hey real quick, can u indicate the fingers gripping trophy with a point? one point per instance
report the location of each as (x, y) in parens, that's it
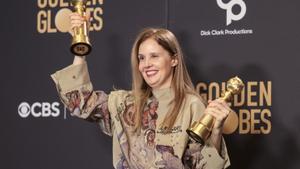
(200, 131)
(81, 45)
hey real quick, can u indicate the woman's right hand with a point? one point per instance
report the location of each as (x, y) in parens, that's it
(77, 20)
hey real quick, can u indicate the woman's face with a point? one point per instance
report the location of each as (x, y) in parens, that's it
(155, 64)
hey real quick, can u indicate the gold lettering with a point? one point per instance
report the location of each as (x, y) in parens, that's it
(42, 21)
(254, 94)
(49, 28)
(264, 114)
(254, 121)
(63, 4)
(244, 121)
(251, 93)
(223, 86)
(53, 3)
(97, 13)
(216, 90)
(203, 93)
(265, 94)
(42, 3)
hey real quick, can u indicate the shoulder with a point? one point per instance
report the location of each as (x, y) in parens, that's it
(195, 104)
(118, 98)
(120, 92)
(120, 95)
(191, 98)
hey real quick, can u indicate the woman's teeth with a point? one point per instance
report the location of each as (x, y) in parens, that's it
(150, 72)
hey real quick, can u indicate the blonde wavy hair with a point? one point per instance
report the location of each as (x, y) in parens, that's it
(181, 81)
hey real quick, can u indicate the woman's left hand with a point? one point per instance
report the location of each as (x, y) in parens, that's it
(220, 110)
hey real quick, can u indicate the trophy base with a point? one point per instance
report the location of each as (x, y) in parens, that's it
(194, 136)
(200, 132)
(81, 49)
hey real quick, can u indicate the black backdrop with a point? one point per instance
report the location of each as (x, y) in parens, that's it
(262, 47)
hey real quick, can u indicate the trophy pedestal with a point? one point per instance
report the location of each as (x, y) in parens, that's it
(81, 45)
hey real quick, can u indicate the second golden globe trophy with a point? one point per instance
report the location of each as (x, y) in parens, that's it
(81, 45)
(201, 130)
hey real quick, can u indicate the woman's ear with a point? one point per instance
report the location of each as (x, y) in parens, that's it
(174, 62)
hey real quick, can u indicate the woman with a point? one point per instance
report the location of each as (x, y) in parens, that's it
(148, 124)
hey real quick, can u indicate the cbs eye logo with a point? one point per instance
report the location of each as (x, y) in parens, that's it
(24, 109)
(228, 7)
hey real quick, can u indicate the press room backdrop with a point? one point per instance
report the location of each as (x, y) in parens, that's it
(256, 40)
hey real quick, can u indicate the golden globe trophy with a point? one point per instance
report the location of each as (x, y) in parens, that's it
(80, 44)
(201, 130)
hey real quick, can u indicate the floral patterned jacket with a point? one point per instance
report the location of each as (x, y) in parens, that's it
(152, 147)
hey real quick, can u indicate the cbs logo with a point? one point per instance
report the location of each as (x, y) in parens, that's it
(228, 7)
(39, 109)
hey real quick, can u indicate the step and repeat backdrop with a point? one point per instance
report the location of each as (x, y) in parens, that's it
(257, 40)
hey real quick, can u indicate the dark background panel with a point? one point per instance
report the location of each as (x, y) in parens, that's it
(271, 53)
(29, 59)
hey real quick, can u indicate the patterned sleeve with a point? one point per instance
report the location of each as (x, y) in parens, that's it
(76, 92)
(198, 156)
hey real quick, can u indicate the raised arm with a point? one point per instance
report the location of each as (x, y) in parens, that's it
(76, 91)
(78, 60)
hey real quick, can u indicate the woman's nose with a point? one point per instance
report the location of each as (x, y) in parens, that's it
(148, 62)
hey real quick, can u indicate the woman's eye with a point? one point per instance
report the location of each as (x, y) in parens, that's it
(154, 56)
(140, 57)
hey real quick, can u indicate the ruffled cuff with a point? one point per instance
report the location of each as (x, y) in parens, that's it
(71, 77)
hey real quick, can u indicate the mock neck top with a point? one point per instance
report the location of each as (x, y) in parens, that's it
(166, 93)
